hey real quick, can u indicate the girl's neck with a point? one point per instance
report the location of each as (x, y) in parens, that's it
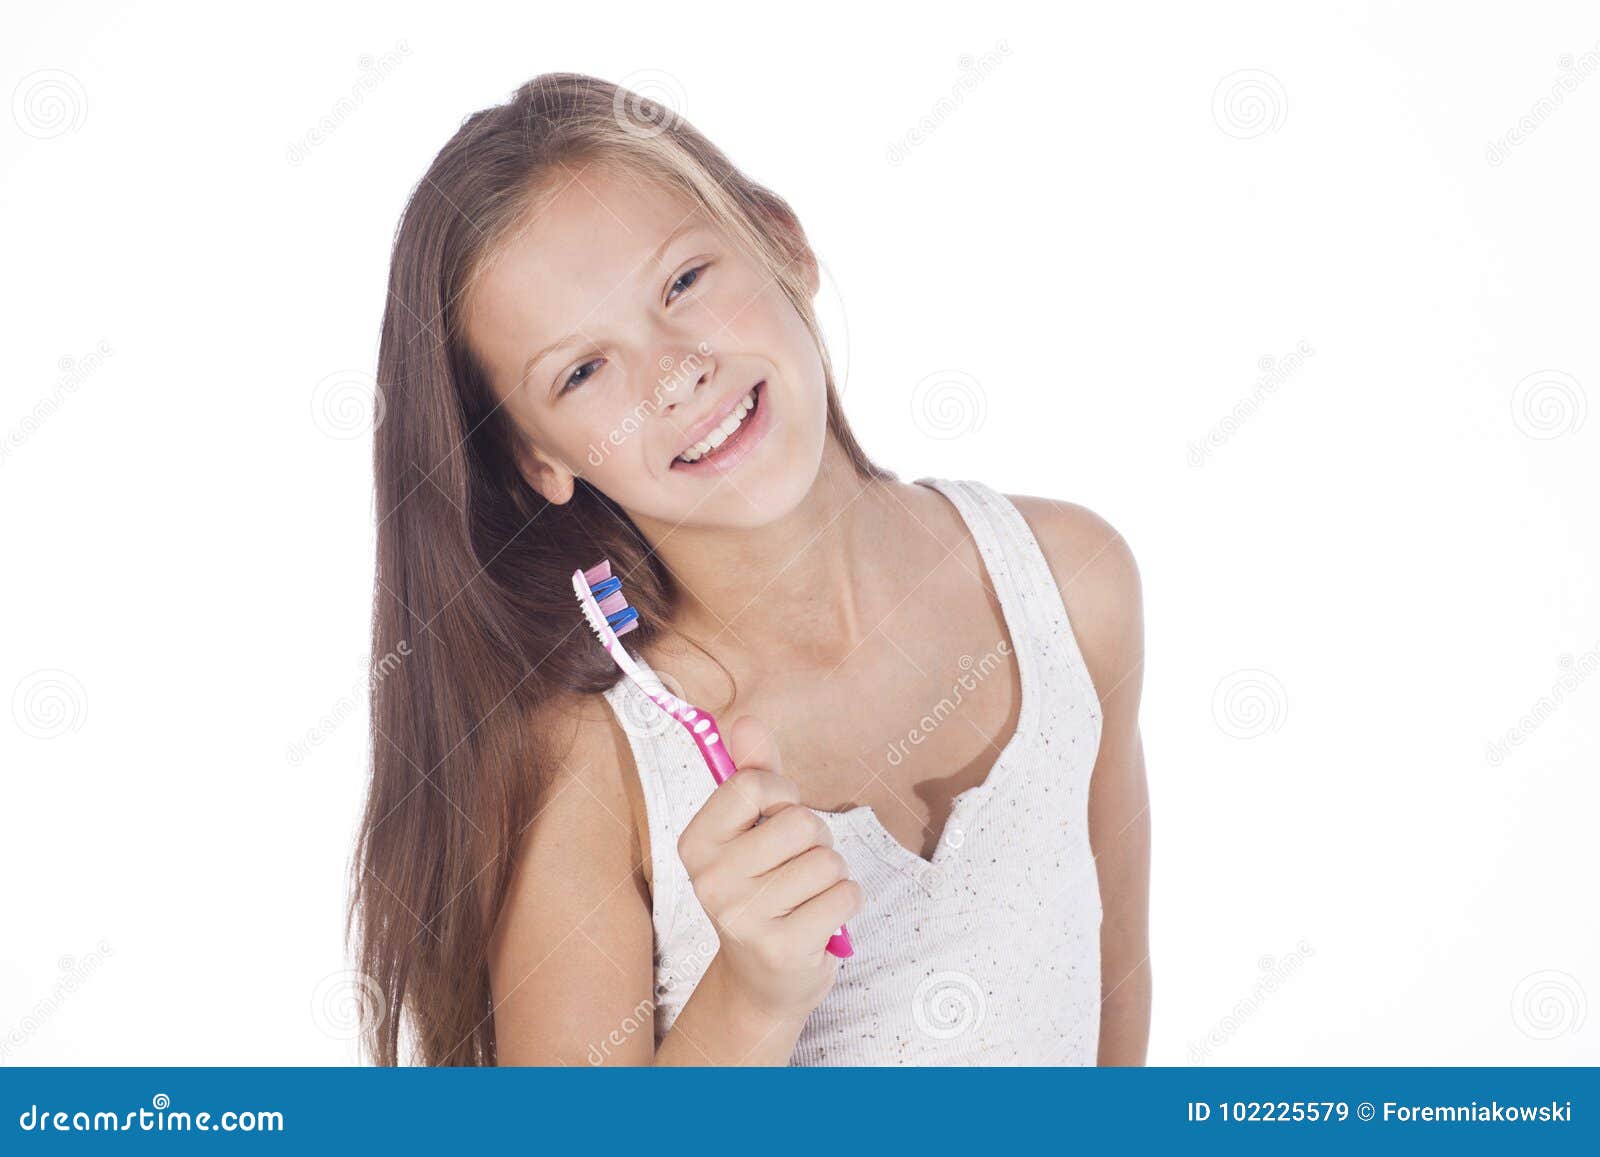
(807, 588)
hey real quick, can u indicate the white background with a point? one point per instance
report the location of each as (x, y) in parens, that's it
(1361, 585)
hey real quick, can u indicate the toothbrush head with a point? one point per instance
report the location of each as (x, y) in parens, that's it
(609, 615)
(604, 605)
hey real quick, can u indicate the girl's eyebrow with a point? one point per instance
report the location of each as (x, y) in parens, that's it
(534, 359)
(575, 338)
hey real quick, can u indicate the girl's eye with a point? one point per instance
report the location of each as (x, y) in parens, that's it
(686, 280)
(690, 275)
(576, 379)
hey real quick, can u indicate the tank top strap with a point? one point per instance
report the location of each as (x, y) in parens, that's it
(675, 783)
(1029, 597)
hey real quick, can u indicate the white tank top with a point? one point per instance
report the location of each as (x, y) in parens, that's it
(988, 954)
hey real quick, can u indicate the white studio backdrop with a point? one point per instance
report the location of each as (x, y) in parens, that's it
(1302, 302)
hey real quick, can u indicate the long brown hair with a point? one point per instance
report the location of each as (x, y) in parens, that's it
(473, 565)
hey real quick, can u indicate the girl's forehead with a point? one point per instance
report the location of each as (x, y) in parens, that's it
(592, 233)
(577, 255)
(594, 212)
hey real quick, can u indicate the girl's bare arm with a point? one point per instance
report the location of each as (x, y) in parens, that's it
(571, 962)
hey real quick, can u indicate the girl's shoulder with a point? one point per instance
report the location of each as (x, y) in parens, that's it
(589, 786)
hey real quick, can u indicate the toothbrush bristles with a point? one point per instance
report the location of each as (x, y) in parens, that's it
(607, 591)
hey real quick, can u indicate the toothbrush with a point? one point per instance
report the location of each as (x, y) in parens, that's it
(604, 605)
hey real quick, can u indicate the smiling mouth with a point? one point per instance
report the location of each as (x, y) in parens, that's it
(728, 435)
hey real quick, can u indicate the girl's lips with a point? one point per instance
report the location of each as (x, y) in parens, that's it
(740, 444)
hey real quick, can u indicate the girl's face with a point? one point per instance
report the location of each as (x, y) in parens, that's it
(619, 329)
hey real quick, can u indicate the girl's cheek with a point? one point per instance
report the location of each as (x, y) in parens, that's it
(598, 443)
(615, 461)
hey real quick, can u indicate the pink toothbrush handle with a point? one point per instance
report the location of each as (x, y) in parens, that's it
(709, 740)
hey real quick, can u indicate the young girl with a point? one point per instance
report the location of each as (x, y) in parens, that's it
(600, 343)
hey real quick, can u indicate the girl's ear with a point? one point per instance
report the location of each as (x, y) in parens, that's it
(544, 473)
(809, 263)
(801, 248)
(793, 236)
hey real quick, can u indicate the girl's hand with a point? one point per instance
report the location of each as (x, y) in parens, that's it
(764, 868)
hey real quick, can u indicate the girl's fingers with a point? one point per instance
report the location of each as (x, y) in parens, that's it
(791, 831)
(733, 809)
(819, 918)
(809, 874)
(751, 744)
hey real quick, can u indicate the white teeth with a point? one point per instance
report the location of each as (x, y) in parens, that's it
(721, 434)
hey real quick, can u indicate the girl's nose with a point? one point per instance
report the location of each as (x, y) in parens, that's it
(681, 379)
